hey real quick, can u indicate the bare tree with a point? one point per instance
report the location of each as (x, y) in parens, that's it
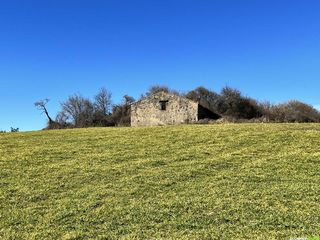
(103, 102)
(41, 105)
(79, 110)
(62, 120)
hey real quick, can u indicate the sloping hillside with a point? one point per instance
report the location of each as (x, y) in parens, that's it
(237, 181)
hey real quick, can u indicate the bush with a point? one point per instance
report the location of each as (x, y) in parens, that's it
(206, 98)
(294, 111)
(158, 88)
(14, 129)
(233, 104)
(121, 114)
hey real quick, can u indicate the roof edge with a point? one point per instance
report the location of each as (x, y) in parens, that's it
(173, 94)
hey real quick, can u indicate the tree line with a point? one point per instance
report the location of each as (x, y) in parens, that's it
(78, 111)
(233, 106)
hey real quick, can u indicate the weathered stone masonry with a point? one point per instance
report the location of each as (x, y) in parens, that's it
(166, 109)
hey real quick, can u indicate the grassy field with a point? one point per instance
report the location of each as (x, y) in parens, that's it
(236, 181)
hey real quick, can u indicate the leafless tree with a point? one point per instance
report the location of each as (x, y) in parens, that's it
(103, 102)
(41, 105)
(79, 110)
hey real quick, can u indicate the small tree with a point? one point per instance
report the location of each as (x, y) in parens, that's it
(102, 109)
(41, 105)
(103, 102)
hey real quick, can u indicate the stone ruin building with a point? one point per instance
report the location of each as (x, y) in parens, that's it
(164, 108)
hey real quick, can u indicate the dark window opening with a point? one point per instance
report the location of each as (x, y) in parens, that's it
(163, 105)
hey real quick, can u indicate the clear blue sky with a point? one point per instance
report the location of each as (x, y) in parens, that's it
(269, 49)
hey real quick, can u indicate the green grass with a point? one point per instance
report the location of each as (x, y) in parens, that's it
(235, 181)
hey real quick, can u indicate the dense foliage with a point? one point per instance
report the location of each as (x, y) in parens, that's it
(232, 105)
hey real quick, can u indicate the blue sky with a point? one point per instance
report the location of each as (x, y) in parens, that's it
(270, 50)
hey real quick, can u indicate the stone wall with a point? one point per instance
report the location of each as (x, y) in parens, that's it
(178, 110)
